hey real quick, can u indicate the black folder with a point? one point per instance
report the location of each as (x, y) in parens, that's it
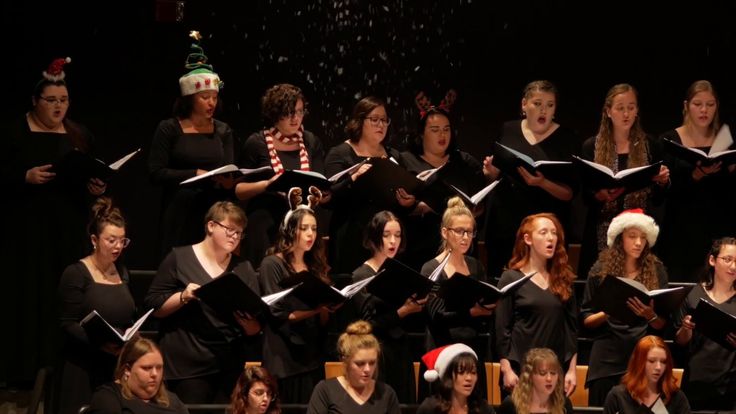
(612, 294)
(693, 155)
(228, 293)
(81, 165)
(301, 179)
(398, 282)
(100, 332)
(312, 290)
(714, 323)
(461, 292)
(596, 176)
(240, 174)
(453, 178)
(508, 160)
(382, 180)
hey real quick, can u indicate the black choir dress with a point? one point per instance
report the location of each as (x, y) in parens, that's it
(619, 401)
(84, 365)
(507, 407)
(514, 200)
(329, 397)
(613, 343)
(423, 231)
(599, 214)
(533, 317)
(396, 366)
(350, 211)
(196, 341)
(710, 375)
(109, 399)
(431, 405)
(445, 327)
(696, 211)
(294, 352)
(176, 156)
(266, 211)
(44, 230)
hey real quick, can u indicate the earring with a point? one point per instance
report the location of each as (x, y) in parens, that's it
(94, 246)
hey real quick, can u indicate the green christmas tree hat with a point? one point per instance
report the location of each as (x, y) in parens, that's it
(200, 76)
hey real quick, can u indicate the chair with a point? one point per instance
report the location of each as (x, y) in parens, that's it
(334, 369)
(579, 398)
(573, 256)
(493, 390)
(677, 373)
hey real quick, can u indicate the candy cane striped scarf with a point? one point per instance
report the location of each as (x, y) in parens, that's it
(272, 133)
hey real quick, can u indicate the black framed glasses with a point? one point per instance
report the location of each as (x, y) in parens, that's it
(231, 232)
(378, 121)
(463, 232)
(299, 113)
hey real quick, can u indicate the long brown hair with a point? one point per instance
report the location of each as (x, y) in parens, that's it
(635, 380)
(250, 376)
(461, 364)
(315, 258)
(560, 272)
(694, 89)
(613, 261)
(354, 127)
(605, 147)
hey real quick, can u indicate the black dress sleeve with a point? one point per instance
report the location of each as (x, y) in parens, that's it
(72, 285)
(159, 167)
(164, 284)
(505, 316)
(105, 401)
(319, 402)
(507, 406)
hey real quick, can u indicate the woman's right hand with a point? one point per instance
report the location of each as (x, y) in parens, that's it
(489, 170)
(362, 170)
(510, 379)
(40, 174)
(608, 194)
(701, 171)
(411, 305)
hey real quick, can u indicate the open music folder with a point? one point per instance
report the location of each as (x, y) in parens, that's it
(99, 331)
(612, 294)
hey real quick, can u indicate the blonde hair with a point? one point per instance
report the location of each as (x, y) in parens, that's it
(132, 351)
(455, 207)
(522, 394)
(357, 336)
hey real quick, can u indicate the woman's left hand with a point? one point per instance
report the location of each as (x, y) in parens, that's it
(405, 199)
(663, 178)
(529, 179)
(250, 325)
(640, 309)
(571, 382)
(96, 187)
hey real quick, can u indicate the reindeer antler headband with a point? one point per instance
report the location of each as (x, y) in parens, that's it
(425, 105)
(295, 201)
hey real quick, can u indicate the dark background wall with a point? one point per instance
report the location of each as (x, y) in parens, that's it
(127, 57)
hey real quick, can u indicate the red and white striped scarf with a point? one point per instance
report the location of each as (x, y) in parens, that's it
(272, 133)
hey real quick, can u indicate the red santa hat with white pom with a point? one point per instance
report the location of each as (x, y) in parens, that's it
(55, 71)
(633, 218)
(438, 359)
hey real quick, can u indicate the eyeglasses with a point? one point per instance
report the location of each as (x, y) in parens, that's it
(52, 100)
(299, 113)
(259, 393)
(124, 242)
(727, 260)
(376, 121)
(462, 232)
(230, 232)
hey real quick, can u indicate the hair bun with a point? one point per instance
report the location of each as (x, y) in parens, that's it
(455, 202)
(359, 328)
(102, 207)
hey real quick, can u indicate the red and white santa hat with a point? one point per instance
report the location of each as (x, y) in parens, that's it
(55, 71)
(438, 359)
(633, 218)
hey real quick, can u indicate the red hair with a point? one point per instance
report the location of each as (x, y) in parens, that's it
(560, 272)
(635, 379)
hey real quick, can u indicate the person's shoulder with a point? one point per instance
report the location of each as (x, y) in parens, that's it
(507, 406)
(243, 266)
(428, 405)
(176, 404)
(671, 135)
(105, 399)
(429, 266)
(510, 275)
(222, 127)
(340, 150)
(270, 262)
(168, 124)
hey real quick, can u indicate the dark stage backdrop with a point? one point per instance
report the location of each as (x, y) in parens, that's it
(127, 59)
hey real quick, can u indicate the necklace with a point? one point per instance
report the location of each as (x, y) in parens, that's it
(104, 274)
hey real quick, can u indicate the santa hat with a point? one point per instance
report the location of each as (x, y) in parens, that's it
(437, 360)
(200, 76)
(633, 218)
(55, 71)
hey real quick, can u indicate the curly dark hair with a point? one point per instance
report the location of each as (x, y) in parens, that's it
(613, 261)
(279, 101)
